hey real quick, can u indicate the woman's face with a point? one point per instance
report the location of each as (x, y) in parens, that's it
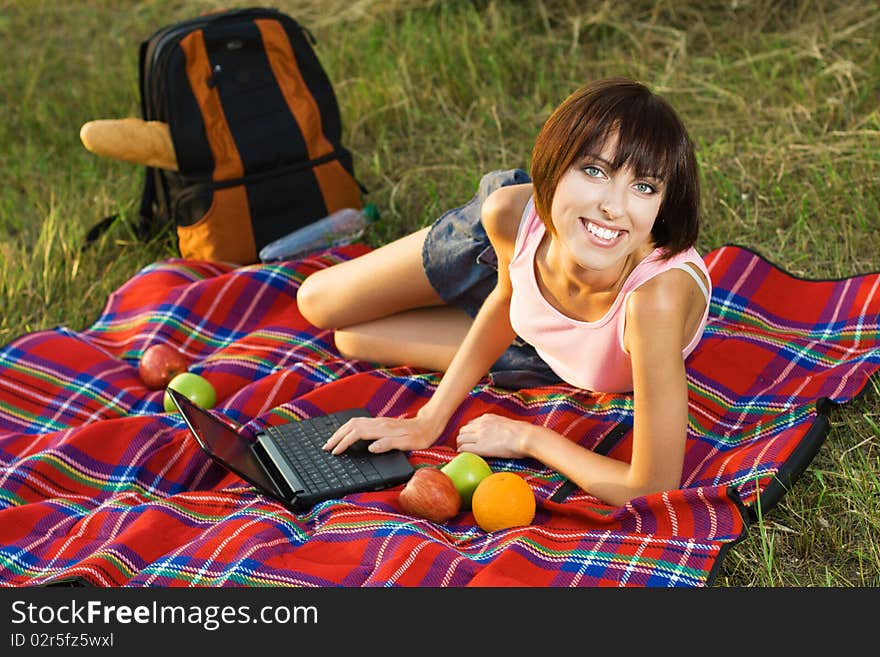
(600, 215)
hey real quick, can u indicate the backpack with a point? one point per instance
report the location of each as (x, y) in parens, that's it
(256, 131)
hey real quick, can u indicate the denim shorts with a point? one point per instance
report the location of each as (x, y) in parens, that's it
(462, 267)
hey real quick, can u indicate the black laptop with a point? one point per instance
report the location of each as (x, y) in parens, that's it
(286, 461)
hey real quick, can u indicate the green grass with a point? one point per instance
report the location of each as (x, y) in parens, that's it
(781, 97)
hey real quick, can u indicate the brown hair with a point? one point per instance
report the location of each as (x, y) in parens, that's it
(651, 139)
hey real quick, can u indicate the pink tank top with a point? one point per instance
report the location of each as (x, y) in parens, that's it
(587, 355)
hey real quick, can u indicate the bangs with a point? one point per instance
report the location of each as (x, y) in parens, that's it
(648, 138)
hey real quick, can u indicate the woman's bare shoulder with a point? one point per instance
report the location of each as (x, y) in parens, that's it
(501, 214)
(657, 312)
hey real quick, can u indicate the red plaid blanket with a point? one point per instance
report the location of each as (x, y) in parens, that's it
(98, 482)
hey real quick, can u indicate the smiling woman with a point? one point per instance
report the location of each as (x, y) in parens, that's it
(595, 282)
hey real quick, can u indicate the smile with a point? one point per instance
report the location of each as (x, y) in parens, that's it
(602, 233)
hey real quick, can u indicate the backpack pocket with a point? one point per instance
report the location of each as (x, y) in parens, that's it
(222, 231)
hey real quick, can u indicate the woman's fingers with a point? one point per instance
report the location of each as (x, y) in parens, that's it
(472, 429)
(385, 431)
(344, 436)
(394, 433)
(404, 433)
(467, 435)
(338, 438)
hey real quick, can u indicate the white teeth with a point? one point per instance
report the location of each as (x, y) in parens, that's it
(604, 233)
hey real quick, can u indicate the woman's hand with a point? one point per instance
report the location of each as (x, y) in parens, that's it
(495, 435)
(404, 433)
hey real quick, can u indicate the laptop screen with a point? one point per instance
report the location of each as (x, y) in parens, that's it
(223, 443)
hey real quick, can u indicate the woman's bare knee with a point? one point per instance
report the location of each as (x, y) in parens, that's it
(355, 345)
(315, 301)
(422, 337)
(377, 284)
(352, 345)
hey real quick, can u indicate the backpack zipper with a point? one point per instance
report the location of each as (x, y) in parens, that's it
(192, 190)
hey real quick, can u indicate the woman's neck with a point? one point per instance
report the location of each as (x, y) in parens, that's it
(565, 273)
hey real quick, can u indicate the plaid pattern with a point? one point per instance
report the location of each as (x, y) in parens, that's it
(97, 481)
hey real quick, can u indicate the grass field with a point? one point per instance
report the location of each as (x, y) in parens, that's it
(781, 97)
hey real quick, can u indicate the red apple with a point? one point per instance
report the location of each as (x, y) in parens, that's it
(430, 494)
(159, 364)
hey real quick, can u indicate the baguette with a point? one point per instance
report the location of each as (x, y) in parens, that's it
(132, 140)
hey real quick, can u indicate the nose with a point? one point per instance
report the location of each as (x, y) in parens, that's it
(613, 203)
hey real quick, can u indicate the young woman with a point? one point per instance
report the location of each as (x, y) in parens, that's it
(595, 282)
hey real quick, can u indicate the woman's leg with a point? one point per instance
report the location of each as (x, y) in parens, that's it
(384, 309)
(376, 284)
(422, 337)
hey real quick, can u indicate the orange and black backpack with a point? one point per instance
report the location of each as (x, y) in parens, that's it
(256, 131)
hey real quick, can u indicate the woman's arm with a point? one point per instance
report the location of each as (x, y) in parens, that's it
(484, 343)
(653, 337)
(491, 332)
(489, 335)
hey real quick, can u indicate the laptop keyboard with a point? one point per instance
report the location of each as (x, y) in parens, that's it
(301, 443)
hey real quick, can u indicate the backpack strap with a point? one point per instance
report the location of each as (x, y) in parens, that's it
(146, 218)
(145, 223)
(97, 230)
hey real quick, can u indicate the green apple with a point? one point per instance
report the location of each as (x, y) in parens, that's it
(466, 471)
(192, 386)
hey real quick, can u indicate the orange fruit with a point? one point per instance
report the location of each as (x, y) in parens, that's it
(502, 500)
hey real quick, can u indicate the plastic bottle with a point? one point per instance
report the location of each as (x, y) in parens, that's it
(342, 227)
